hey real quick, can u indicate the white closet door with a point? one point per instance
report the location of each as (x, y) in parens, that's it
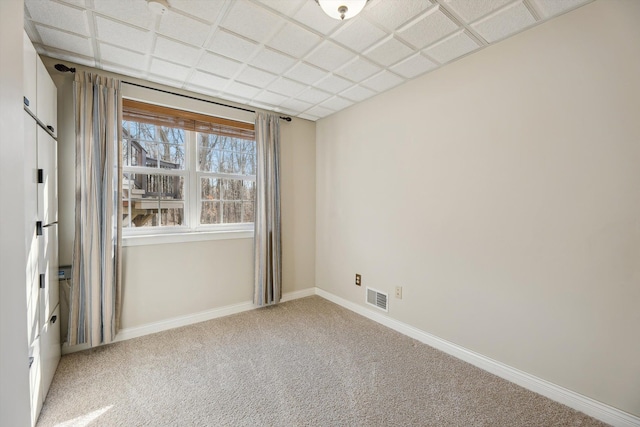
(35, 380)
(31, 217)
(29, 75)
(46, 110)
(48, 189)
(49, 286)
(50, 354)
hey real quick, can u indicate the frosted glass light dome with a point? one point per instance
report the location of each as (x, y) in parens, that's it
(342, 9)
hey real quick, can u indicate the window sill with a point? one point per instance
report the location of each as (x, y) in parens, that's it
(161, 239)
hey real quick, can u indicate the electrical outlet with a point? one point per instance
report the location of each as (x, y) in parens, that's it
(399, 292)
(358, 280)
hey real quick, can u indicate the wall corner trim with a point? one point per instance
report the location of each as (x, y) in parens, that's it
(587, 405)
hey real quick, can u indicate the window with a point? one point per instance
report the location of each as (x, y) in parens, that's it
(184, 171)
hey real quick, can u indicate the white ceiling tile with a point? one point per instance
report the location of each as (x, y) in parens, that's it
(313, 96)
(392, 14)
(430, 27)
(383, 81)
(312, 16)
(273, 61)
(251, 21)
(65, 41)
(206, 80)
(79, 3)
(183, 28)
(232, 46)
(472, 10)
(295, 105)
(168, 69)
(549, 8)
(305, 73)
(358, 34)
(176, 52)
(270, 98)
(414, 66)
(262, 105)
(505, 22)
(294, 40)
(206, 10)
(389, 51)
(256, 77)
(287, 8)
(333, 84)
(357, 93)
(119, 34)
(121, 57)
(308, 117)
(58, 15)
(201, 90)
(452, 47)
(286, 87)
(358, 69)
(329, 56)
(336, 103)
(219, 65)
(319, 111)
(241, 89)
(133, 12)
(236, 99)
(124, 70)
(165, 80)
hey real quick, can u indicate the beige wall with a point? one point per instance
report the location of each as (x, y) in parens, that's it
(209, 274)
(503, 194)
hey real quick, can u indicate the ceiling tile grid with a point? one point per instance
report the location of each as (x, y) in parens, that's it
(281, 55)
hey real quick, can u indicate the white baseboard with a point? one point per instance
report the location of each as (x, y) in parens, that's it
(587, 405)
(189, 319)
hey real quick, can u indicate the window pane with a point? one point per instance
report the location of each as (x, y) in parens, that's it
(231, 189)
(232, 212)
(248, 190)
(210, 189)
(151, 200)
(210, 213)
(153, 146)
(225, 154)
(248, 214)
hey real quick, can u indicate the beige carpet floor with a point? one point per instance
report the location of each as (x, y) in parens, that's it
(306, 362)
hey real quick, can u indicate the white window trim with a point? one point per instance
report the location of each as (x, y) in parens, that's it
(184, 237)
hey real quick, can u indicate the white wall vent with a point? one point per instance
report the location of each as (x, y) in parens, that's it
(378, 299)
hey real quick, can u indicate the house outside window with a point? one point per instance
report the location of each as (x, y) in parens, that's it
(185, 172)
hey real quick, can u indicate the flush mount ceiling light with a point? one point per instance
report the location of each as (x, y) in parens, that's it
(342, 9)
(158, 6)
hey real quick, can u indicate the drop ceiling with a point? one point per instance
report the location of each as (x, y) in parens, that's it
(280, 55)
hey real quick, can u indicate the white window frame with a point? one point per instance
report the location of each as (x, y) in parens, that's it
(192, 230)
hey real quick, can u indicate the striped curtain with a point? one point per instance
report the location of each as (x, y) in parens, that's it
(95, 302)
(267, 239)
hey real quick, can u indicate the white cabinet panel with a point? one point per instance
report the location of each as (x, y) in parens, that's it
(29, 73)
(35, 380)
(31, 177)
(50, 291)
(46, 110)
(50, 354)
(31, 216)
(48, 189)
(33, 293)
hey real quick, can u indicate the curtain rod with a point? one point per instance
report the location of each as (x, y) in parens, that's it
(63, 68)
